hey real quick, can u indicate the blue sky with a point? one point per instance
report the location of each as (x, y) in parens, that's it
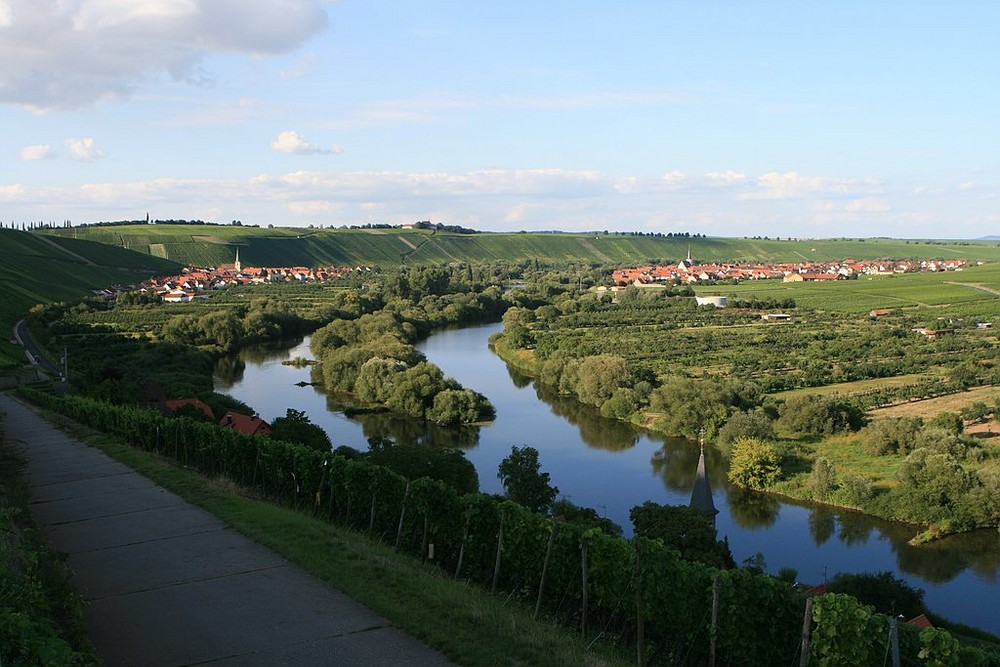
(728, 119)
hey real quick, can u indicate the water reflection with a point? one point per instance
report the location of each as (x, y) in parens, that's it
(618, 466)
(821, 525)
(752, 510)
(230, 369)
(596, 431)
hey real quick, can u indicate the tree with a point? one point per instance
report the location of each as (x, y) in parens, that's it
(892, 436)
(882, 590)
(682, 528)
(754, 464)
(948, 421)
(447, 465)
(295, 426)
(823, 478)
(460, 406)
(744, 424)
(524, 483)
(812, 414)
(598, 377)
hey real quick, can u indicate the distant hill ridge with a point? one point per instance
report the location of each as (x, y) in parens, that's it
(211, 245)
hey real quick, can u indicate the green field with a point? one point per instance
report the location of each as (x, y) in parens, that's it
(209, 245)
(952, 294)
(35, 270)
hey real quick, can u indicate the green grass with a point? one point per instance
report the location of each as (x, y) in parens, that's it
(857, 387)
(950, 290)
(465, 623)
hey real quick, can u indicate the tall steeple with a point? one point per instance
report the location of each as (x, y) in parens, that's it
(701, 494)
(236, 264)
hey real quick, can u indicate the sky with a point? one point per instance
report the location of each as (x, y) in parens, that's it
(805, 119)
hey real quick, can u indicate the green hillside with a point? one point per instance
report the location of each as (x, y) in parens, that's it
(209, 245)
(39, 269)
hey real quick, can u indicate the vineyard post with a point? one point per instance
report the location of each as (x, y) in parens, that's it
(583, 563)
(496, 565)
(640, 622)
(894, 640)
(545, 568)
(715, 620)
(806, 625)
(423, 540)
(461, 551)
(402, 514)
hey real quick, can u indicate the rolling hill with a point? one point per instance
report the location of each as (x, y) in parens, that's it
(39, 268)
(210, 245)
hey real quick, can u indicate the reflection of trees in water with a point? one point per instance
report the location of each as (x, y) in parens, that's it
(943, 560)
(854, 528)
(750, 509)
(596, 431)
(676, 463)
(261, 352)
(229, 369)
(518, 379)
(405, 431)
(821, 525)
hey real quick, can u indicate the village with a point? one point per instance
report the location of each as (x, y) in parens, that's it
(689, 271)
(194, 282)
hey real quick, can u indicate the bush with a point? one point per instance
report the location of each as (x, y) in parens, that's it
(754, 464)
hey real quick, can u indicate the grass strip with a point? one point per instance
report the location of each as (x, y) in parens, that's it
(465, 623)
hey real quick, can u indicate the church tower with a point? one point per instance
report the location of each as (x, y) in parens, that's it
(236, 264)
(701, 494)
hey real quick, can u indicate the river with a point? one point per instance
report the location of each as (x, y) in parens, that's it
(611, 466)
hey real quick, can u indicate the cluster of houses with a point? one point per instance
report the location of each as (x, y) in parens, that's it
(194, 282)
(690, 271)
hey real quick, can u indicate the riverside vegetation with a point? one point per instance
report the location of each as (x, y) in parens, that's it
(749, 385)
(181, 343)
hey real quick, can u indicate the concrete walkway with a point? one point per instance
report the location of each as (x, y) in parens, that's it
(169, 584)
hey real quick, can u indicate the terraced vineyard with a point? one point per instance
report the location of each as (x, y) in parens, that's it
(41, 269)
(209, 245)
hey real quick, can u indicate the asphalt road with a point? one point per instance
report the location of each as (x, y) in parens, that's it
(170, 584)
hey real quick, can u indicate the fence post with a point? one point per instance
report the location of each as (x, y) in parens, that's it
(806, 626)
(583, 563)
(545, 568)
(496, 565)
(715, 620)
(640, 621)
(461, 551)
(402, 514)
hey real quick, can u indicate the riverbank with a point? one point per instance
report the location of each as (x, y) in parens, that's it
(857, 472)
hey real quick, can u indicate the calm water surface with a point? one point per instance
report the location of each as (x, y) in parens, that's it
(611, 467)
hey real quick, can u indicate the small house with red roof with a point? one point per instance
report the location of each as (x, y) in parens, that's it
(245, 424)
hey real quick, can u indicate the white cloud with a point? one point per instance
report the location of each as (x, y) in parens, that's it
(792, 185)
(84, 149)
(967, 186)
(37, 152)
(725, 177)
(868, 205)
(292, 143)
(73, 53)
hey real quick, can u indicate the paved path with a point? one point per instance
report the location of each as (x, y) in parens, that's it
(170, 584)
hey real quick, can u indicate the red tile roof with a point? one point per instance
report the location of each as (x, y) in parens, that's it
(245, 424)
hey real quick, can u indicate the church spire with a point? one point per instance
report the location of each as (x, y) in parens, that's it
(236, 264)
(701, 494)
